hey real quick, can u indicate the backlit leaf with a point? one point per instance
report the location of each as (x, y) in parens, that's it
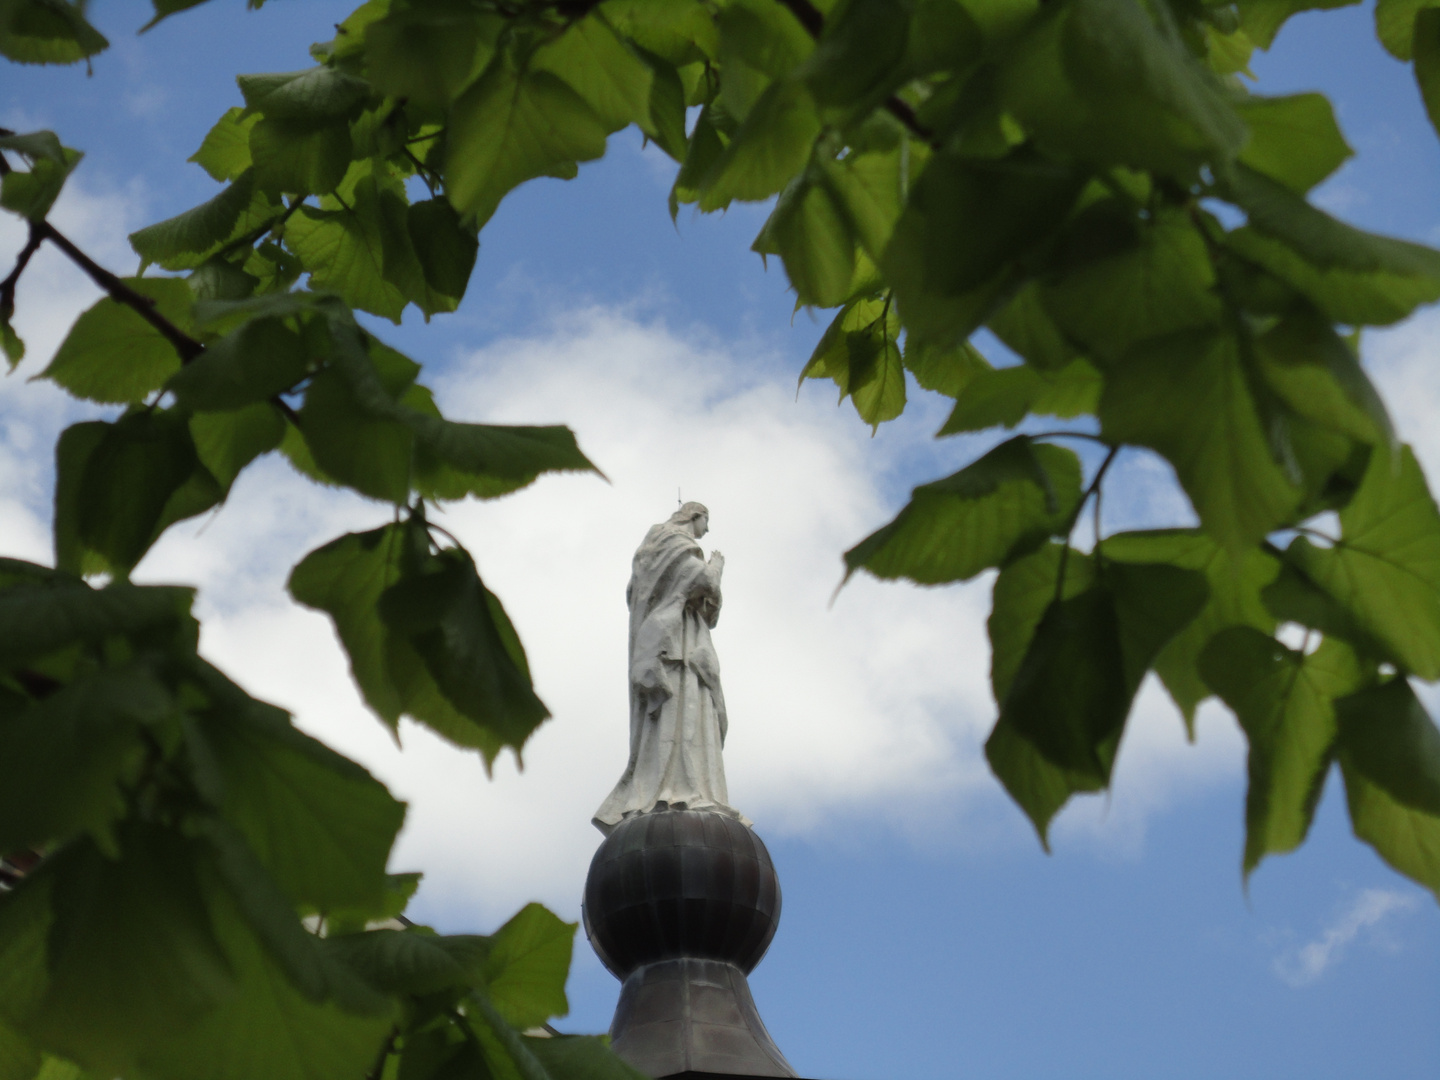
(113, 355)
(1188, 398)
(1389, 751)
(1283, 700)
(1005, 503)
(510, 127)
(1385, 570)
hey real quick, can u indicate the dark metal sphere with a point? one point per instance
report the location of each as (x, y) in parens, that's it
(681, 883)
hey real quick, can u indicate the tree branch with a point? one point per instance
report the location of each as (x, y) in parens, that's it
(7, 287)
(188, 348)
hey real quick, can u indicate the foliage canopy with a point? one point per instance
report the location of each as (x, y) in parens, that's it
(1090, 180)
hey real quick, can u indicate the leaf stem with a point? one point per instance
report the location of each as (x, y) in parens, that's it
(1092, 490)
(1072, 435)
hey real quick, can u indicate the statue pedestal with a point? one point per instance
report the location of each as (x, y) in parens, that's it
(681, 905)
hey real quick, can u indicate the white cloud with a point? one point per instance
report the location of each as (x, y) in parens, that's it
(1402, 362)
(860, 719)
(1304, 965)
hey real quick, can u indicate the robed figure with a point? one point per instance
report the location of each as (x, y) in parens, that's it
(677, 710)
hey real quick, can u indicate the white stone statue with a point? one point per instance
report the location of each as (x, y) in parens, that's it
(677, 710)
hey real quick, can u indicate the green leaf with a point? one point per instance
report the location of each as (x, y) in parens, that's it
(682, 33)
(1188, 398)
(1040, 787)
(35, 145)
(118, 486)
(1100, 81)
(36, 621)
(19, 1060)
(598, 66)
(10, 343)
(1427, 61)
(1023, 590)
(1395, 24)
(859, 51)
(810, 233)
(461, 633)
(1318, 376)
(664, 124)
(1283, 700)
(299, 158)
(1389, 751)
(319, 823)
(226, 442)
(350, 443)
(345, 252)
(869, 190)
(47, 32)
(225, 152)
(408, 962)
(1127, 281)
(113, 355)
(273, 919)
(579, 1057)
(67, 755)
(510, 127)
(1377, 296)
(1320, 239)
(165, 8)
(1261, 19)
(526, 968)
(31, 194)
(707, 143)
(859, 351)
(994, 509)
(945, 370)
(310, 96)
(269, 1027)
(1294, 139)
(132, 955)
(1006, 395)
(1236, 588)
(428, 54)
(445, 248)
(1026, 328)
(347, 578)
(1072, 692)
(770, 147)
(952, 258)
(196, 230)
(1385, 569)
(246, 367)
(488, 460)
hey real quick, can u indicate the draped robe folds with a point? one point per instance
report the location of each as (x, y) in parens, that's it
(677, 709)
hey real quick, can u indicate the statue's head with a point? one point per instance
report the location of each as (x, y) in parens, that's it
(695, 516)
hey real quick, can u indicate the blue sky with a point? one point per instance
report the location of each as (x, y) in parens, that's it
(925, 933)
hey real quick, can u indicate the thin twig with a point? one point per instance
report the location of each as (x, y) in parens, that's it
(188, 348)
(7, 287)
